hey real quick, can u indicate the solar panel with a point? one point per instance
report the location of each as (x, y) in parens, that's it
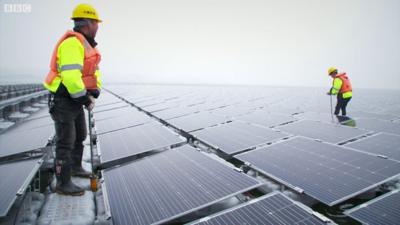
(237, 136)
(327, 172)
(160, 107)
(361, 114)
(175, 112)
(197, 121)
(322, 117)
(112, 106)
(272, 209)
(232, 111)
(382, 144)
(129, 142)
(380, 211)
(170, 184)
(378, 125)
(11, 142)
(13, 184)
(266, 119)
(107, 98)
(117, 119)
(33, 124)
(322, 131)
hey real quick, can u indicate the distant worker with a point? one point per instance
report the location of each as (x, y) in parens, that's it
(73, 82)
(342, 88)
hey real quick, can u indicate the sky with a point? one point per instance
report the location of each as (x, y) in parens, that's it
(232, 42)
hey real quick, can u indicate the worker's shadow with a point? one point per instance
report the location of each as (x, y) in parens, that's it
(347, 121)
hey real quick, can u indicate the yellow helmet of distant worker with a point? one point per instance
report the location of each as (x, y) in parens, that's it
(331, 70)
(85, 11)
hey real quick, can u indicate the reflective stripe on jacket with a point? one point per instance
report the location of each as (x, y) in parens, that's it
(74, 63)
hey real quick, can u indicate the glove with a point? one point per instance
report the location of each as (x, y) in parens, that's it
(90, 106)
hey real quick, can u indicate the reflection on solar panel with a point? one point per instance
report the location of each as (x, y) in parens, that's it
(380, 211)
(12, 185)
(378, 125)
(322, 131)
(326, 172)
(119, 119)
(168, 185)
(271, 209)
(132, 141)
(197, 121)
(382, 144)
(10, 142)
(266, 119)
(237, 136)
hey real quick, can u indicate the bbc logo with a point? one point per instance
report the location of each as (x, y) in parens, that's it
(17, 8)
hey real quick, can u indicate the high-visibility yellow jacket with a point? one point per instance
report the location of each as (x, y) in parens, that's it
(74, 64)
(341, 85)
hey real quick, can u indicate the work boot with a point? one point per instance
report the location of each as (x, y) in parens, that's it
(77, 169)
(64, 184)
(69, 188)
(80, 172)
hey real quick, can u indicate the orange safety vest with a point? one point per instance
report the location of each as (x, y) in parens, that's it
(90, 64)
(346, 85)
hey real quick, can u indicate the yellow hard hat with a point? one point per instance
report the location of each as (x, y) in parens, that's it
(331, 70)
(85, 11)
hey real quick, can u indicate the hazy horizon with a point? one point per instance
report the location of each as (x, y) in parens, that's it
(267, 43)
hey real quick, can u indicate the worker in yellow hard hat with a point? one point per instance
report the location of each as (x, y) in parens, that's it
(73, 81)
(341, 87)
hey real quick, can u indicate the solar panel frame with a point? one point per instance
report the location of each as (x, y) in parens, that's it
(194, 163)
(315, 192)
(372, 211)
(267, 213)
(107, 142)
(374, 144)
(25, 167)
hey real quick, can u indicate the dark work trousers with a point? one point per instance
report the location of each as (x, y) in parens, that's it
(70, 126)
(341, 104)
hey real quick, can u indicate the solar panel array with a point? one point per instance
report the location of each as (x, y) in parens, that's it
(327, 172)
(271, 209)
(380, 211)
(13, 184)
(170, 184)
(234, 120)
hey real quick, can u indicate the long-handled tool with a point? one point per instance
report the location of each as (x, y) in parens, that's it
(93, 177)
(331, 107)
